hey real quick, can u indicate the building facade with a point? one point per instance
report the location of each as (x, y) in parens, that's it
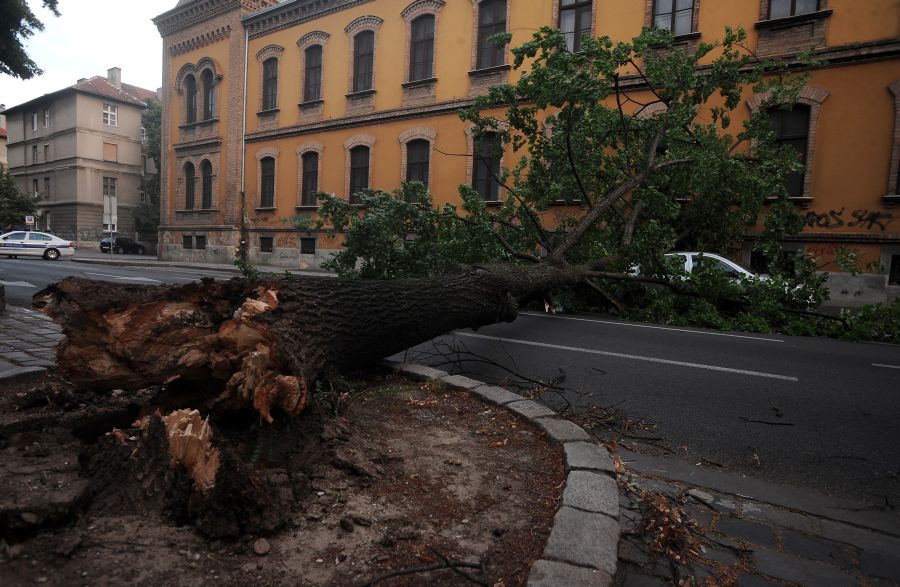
(81, 150)
(267, 103)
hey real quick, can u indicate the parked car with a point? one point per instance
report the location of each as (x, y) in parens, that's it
(713, 261)
(36, 244)
(122, 245)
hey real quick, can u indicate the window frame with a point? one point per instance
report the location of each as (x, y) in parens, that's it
(190, 99)
(34, 121)
(46, 118)
(190, 185)
(486, 30)
(358, 172)
(208, 84)
(270, 84)
(312, 92)
(673, 16)
(421, 67)
(578, 8)
(309, 178)
(778, 119)
(363, 62)
(206, 185)
(110, 114)
(267, 181)
(422, 166)
(793, 9)
(490, 171)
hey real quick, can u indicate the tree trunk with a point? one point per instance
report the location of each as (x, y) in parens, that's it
(263, 343)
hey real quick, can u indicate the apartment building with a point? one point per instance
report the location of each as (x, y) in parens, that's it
(81, 150)
(268, 102)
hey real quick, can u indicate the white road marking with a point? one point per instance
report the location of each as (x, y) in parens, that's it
(535, 315)
(886, 366)
(17, 283)
(123, 277)
(633, 357)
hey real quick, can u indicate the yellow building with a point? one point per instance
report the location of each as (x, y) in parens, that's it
(276, 101)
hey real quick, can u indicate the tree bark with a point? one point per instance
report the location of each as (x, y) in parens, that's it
(264, 343)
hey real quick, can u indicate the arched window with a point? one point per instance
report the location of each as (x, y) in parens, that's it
(363, 60)
(190, 96)
(421, 48)
(792, 128)
(189, 186)
(312, 88)
(267, 183)
(310, 184)
(491, 20)
(270, 84)
(206, 82)
(359, 171)
(206, 180)
(417, 155)
(486, 167)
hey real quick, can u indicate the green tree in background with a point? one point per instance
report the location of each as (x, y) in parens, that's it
(15, 205)
(17, 23)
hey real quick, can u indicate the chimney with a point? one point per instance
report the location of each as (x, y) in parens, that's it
(114, 76)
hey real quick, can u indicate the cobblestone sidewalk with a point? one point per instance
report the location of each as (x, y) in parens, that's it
(751, 543)
(28, 343)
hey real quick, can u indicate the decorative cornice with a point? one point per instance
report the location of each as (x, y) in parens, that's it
(368, 22)
(289, 14)
(182, 17)
(269, 51)
(201, 40)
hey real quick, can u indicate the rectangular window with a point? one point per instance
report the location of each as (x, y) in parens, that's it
(417, 155)
(46, 153)
(267, 183)
(143, 135)
(46, 186)
(270, 84)
(46, 118)
(486, 168)
(359, 172)
(792, 129)
(312, 88)
(110, 115)
(421, 48)
(34, 121)
(200, 241)
(34, 187)
(674, 15)
(34, 155)
(265, 244)
(575, 21)
(110, 204)
(363, 60)
(110, 152)
(786, 8)
(491, 21)
(310, 184)
(894, 276)
(308, 246)
(143, 196)
(187, 242)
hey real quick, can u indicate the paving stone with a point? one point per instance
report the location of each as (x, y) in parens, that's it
(780, 517)
(633, 552)
(592, 492)
(17, 373)
(700, 514)
(586, 455)
(419, 370)
(634, 580)
(562, 430)
(720, 555)
(865, 540)
(754, 581)
(530, 409)
(881, 565)
(799, 570)
(750, 531)
(17, 356)
(461, 381)
(546, 573)
(717, 502)
(630, 520)
(817, 548)
(496, 395)
(657, 486)
(584, 539)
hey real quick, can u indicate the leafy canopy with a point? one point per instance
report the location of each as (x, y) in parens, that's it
(17, 23)
(15, 205)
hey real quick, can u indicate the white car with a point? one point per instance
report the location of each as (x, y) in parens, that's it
(694, 260)
(37, 244)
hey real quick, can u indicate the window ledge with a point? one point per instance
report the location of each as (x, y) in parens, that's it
(270, 112)
(802, 201)
(203, 210)
(310, 104)
(489, 70)
(199, 123)
(891, 200)
(493, 203)
(419, 82)
(789, 21)
(306, 208)
(361, 94)
(686, 37)
(266, 209)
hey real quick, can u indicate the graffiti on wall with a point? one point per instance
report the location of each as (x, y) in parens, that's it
(859, 219)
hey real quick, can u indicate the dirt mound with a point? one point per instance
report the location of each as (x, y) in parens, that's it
(405, 478)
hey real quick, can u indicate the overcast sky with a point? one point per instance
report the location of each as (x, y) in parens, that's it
(89, 37)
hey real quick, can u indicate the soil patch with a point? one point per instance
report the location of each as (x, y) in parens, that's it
(407, 476)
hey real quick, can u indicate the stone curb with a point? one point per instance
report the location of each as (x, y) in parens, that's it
(18, 373)
(583, 546)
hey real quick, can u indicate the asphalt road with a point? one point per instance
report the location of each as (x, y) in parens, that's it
(818, 413)
(24, 277)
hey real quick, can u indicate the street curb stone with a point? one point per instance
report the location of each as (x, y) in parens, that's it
(19, 373)
(583, 546)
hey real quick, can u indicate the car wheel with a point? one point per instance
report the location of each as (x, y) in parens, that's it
(118, 250)
(140, 250)
(51, 254)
